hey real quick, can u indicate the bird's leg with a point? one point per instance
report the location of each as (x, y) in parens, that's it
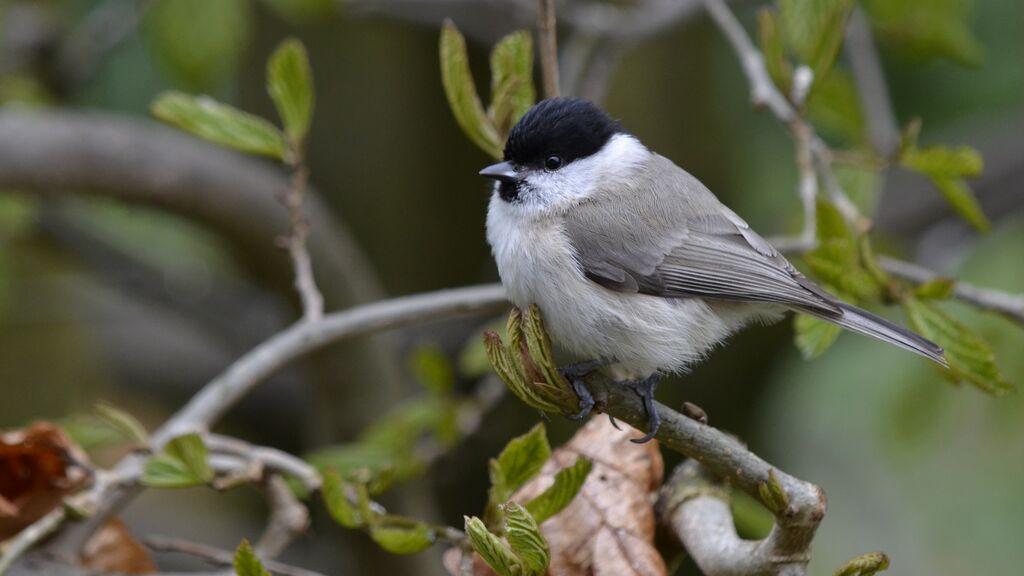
(645, 389)
(574, 373)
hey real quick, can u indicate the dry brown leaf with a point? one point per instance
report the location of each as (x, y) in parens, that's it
(39, 465)
(113, 549)
(608, 529)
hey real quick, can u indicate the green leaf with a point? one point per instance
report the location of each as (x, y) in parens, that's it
(512, 91)
(836, 261)
(126, 424)
(403, 540)
(290, 85)
(922, 30)
(962, 199)
(246, 563)
(221, 124)
(773, 47)
(567, 484)
(815, 30)
(943, 162)
(814, 336)
(521, 460)
(494, 552)
(525, 538)
(864, 565)
(333, 493)
(433, 369)
(970, 357)
(199, 41)
(772, 494)
(462, 96)
(181, 464)
(938, 289)
(834, 107)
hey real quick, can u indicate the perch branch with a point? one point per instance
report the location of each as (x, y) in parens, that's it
(546, 30)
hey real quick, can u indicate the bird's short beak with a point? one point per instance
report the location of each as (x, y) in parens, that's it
(502, 171)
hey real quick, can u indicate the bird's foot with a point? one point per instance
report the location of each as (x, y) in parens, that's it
(645, 389)
(574, 373)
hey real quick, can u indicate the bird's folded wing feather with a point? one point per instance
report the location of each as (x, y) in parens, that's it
(678, 240)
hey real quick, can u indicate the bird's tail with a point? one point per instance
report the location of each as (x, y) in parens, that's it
(864, 322)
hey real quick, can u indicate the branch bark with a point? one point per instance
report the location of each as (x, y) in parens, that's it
(546, 31)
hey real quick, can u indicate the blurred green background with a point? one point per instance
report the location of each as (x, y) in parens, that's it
(102, 299)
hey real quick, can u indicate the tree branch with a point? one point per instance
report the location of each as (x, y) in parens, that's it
(217, 555)
(546, 31)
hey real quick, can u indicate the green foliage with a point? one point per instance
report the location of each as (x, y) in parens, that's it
(246, 563)
(494, 552)
(946, 168)
(814, 336)
(566, 486)
(198, 40)
(814, 28)
(524, 536)
(127, 425)
(970, 357)
(773, 46)
(181, 464)
(290, 85)
(433, 369)
(834, 107)
(521, 460)
(333, 492)
(837, 261)
(864, 565)
(221, 124)
(922, 30)
(512, 91)
(938, 289)
(773, 496)
(403, 539)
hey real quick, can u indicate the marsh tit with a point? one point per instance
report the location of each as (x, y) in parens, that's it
(631, 259)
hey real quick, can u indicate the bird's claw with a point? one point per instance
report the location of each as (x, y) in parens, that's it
(645, 389)
(574, 373)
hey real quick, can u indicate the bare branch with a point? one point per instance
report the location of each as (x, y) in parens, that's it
(217, 555)
(30, 536)
(298, 232)
(696, 507)
(546, 31)
(288, 519)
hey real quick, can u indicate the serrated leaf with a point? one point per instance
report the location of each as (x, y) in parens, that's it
(403, 540)
(337, 503)
(970, 357)
(814, 336)
(290, 85)
(525, 538)
(836, 262)
(521, 459)
(815, 28)
(199, 41)
(181, 464)
(962, 199)
(461, 93)
(246, 563)
(834, 107)
(556, 497)
(221, 124)
(921, 30)
(512, 90)
(433, 369)
(943, 161)
(773, 47)
(494, 552)
(938, 289)
(126, 424)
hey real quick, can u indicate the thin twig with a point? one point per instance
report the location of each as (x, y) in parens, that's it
(31, 536)
(288, 518)
(546, 30)
(216, 555)
(808, 187)
(305, 283)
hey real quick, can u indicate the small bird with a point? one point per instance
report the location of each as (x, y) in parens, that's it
(632, 260)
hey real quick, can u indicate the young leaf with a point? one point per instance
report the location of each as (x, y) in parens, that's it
(864, 565)
(944, 162)
(814, 336)
(512, 91)
(462, 97)
(773, 47)
(494, 552)
(126, 424)
(938, 289)
(969, 355)
(181, 464)
(962, 199)
(337, 503)
(290, 85)
(521, 459)
(815, 30)
(834, 107)
(567, 484)
(403, 540)
(246, 563)
(525, 539)
(221, 124)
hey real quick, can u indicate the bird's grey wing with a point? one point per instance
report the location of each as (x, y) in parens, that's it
(678, 240)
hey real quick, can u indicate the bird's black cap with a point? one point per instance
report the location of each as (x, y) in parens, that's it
(572, 128)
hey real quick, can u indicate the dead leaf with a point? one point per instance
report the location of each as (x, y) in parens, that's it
(608, 529)
(113, 549)
(39, 465)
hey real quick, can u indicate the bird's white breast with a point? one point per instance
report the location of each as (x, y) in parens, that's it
(642, 333)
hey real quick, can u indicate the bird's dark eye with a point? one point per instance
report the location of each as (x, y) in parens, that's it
(552, 162)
